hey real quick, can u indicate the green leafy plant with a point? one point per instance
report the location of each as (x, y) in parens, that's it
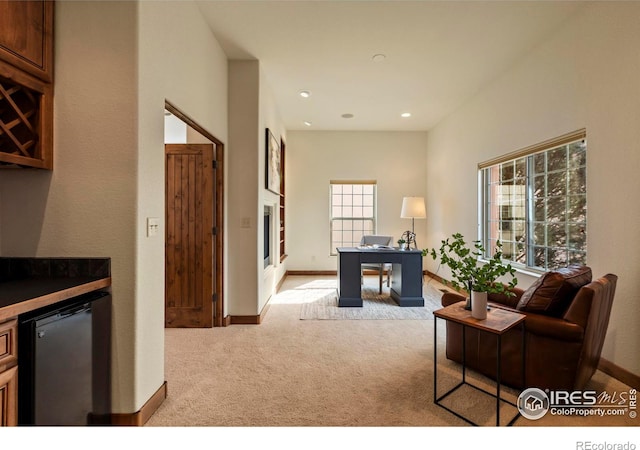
(467, 271)
(401, 241)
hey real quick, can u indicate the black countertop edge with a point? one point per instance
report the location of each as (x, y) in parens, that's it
(24, 268)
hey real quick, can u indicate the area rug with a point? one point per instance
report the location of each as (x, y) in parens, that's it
(375, 307)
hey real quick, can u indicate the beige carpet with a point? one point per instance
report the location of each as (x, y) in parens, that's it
(375, 306)
(337, 373)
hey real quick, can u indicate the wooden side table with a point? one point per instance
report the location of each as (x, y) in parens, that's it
(498, 322)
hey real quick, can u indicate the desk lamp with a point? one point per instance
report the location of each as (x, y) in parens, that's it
(412, 208)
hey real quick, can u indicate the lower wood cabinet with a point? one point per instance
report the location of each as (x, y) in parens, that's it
(8, 373)
(8, 344)
(9, 397)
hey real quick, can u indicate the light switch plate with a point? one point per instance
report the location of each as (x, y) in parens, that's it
(153, 226)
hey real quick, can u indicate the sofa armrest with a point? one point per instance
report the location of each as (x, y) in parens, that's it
(507, 300)
(449, 298)
(553, 327)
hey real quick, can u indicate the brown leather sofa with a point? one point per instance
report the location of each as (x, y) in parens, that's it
(566, 322)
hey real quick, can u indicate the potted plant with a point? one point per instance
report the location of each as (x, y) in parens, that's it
(402, 244)
(469, 272)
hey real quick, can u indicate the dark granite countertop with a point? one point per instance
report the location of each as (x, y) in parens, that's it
(27, 284)
(12, 292)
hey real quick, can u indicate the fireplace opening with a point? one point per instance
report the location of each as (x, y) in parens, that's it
(267, 235)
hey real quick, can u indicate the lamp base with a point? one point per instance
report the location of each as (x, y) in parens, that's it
(410, 238)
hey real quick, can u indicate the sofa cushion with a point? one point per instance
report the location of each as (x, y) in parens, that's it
(552, 293)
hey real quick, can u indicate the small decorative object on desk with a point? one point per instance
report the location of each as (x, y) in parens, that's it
(402, 244)
(470, 273)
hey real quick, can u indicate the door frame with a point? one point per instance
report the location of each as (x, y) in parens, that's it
(218, 222)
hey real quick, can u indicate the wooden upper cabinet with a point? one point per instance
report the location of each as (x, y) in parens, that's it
(26, 83)
(26, 36)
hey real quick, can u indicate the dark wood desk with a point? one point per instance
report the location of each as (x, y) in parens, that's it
(406, 284)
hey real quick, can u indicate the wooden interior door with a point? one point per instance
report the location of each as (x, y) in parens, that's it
(189, 250)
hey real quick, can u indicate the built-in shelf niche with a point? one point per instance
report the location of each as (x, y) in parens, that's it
(281, 235)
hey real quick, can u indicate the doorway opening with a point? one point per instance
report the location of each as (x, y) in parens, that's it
(194, 212)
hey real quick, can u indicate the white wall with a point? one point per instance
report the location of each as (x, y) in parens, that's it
(397, 160)
(180, 61)
(252, 109)
(245, 217)
(175, 130)
(587, 76)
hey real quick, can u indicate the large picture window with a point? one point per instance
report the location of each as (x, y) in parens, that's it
(535, 203)
(352, 212)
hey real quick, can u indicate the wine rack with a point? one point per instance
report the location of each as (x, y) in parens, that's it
(26, 84)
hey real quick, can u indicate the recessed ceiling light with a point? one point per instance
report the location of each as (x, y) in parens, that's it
(407, 114)
(305, 94)
(347, 116)
(307, 123)
(378, 57)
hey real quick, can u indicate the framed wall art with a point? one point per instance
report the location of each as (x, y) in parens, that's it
(273, 169)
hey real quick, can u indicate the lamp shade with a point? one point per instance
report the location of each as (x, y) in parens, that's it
(413, 208)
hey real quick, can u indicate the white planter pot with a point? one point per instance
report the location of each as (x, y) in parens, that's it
(478, 305)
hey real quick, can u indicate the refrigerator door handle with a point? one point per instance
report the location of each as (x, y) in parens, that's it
(77, 310)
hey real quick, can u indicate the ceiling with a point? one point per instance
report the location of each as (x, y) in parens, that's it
(438, 54)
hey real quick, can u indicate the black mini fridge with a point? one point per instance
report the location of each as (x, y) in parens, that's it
(64, 368)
